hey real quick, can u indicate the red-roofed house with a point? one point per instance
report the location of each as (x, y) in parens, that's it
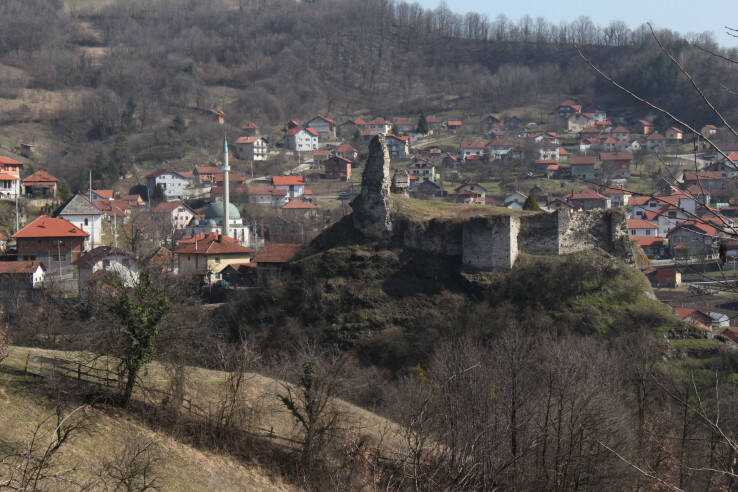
(40, 184)
(616, 164)
(325, 126)
(293, 186)
(694, 317)
(454, 125)
(10, 184)
(583, 166)
(299, 208)
(693, 238)
(301, 139)
(250, 129)
(338, 168)
(21, 275)
(53, 241)
(207, 255)
(569, 107)
(176, 213)
(375, 127)
(399, 147)
(273, 258)
(347, 152)
(252, 148)
(665, 278)
(472, 148)
(643, 228)
(589, 200)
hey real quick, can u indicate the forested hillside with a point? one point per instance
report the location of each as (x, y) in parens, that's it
(109, 72)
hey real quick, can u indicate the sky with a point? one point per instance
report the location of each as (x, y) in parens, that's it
(679, 15)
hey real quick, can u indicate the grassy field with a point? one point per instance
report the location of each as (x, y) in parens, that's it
(183, 467)
(436, 209)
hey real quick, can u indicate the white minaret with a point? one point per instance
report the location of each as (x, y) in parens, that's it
(227, 190)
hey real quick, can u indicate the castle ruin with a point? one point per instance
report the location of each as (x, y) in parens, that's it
(483, 241)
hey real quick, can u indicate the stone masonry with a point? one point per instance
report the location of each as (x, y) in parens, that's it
(481, 242)
(371, 209)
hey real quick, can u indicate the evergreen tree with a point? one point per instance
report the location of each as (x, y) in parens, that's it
(422, 124)
(531, 204)
(180, 125)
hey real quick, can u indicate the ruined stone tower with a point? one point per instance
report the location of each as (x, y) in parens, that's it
(371, 209)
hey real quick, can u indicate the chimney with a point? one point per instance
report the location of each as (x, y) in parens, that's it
(220, 238)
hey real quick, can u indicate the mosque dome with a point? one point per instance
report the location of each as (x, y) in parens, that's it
(215, 211)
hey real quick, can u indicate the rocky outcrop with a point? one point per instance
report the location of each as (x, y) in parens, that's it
(371, 209)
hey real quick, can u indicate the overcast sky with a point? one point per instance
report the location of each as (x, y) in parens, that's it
(680, 15)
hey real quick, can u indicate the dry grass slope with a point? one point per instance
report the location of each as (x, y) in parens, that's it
(183, 467)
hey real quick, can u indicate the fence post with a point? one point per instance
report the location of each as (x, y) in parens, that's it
(25, 368)
(79, 372)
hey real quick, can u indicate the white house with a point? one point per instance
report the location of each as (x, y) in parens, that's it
(174, 185)
(469, 148)
(550, 153)
(10, 182)
(179, 214)
(83, 214)
(108, 259)
(377, 126)
(302, 139)
(516, 201)
(252, 148)
(21, 275)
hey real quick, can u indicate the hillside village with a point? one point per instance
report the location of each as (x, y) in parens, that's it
(680, 199)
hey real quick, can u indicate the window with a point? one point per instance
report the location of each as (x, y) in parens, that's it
(633, 232)
(106, 264)
(648, 232)
(672, 214)
(87, 222)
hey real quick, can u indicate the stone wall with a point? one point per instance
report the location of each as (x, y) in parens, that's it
(439, 237)
(371, 209)
(490, 243)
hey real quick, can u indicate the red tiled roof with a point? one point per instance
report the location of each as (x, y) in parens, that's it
(19, 267)
(587, 195)
(248, 126)
(45, 226)
(343, 148)
(640, 224)
(41, 176)
(207, 169)
(212, 244)
(582, 160)
(473, 144)
(646, 241)
(313, 132)
(299, 204)
(7, 161)
(246, 140)
(733, 156)
(325, 118)
(104, 193)
(287, 180)
(455, 123)
(277, 253)
(702, 176)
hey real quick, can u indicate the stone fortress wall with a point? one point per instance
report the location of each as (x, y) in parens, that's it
(485, 242)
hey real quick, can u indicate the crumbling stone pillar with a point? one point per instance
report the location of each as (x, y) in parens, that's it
(371, 209)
